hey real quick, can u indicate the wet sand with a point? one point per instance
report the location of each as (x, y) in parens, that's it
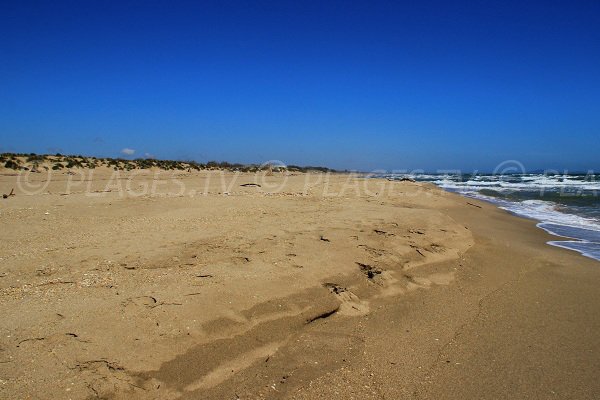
(189, 286)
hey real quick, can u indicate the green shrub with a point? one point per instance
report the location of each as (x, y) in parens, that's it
(11, 164)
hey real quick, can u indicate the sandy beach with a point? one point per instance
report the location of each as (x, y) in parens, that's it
(220, 285)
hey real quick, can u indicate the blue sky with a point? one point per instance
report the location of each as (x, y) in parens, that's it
(357, 85)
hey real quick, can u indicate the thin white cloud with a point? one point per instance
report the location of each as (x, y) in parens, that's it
(128, 151)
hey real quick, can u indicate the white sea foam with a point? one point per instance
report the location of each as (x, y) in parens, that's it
(547, 212)
(529, 184)
(588, 249)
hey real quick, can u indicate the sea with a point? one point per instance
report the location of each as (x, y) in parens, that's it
(565, 205)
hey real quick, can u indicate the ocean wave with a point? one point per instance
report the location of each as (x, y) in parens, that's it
(531, 185)
(547, 212)
(588, 182)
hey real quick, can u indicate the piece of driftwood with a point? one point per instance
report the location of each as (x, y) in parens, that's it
(403, 179)
(12, 193)
(250, 184)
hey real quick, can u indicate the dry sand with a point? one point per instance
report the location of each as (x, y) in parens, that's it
(162, 285)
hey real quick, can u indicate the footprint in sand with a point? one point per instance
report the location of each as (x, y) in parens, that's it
(147, 301)
(370, 271)
(351, 304)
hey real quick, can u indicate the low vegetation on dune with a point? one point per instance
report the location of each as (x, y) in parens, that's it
(44, 162)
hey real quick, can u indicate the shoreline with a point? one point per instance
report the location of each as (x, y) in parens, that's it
(563, 205)
(539, 224)
(400, 292)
